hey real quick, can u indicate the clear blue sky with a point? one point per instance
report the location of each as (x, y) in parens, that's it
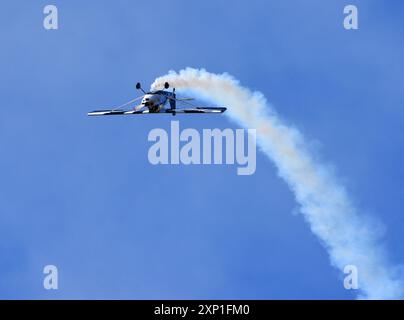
(79, 192)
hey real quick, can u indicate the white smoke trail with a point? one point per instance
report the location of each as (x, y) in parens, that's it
(348, 238)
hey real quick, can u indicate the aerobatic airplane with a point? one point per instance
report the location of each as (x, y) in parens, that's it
(158, 101)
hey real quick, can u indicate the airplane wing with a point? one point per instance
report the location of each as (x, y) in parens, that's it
(116, 112)
(193, 108)
(198, 110)
(184, 99)
(146, 111)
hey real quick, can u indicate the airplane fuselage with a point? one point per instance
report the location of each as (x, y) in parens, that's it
(156, 101)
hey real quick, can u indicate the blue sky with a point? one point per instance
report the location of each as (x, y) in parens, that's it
(79, 192)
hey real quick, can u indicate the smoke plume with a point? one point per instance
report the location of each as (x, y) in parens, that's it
(348, 237)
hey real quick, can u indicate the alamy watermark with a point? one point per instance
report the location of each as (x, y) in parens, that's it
(351, 279)
(51, 279)
(189, 146)
(351, 19)
(51, 20)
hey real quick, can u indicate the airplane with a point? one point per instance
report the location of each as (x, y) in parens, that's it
(159, 102)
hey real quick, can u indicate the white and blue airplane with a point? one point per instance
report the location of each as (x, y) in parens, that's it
(158, 101)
